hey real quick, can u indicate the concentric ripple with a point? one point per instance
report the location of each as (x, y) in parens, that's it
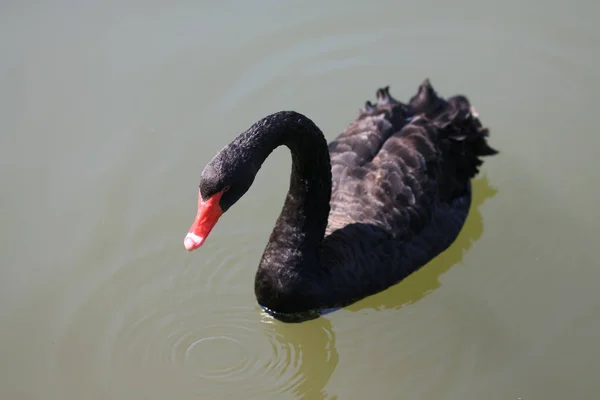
(179, 332)
(232, 346)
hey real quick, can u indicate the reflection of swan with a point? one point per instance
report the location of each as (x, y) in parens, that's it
(385, 197)
(313, 342)
(426, 280)
(317, 357)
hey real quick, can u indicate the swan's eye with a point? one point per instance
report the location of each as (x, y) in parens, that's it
(226, 188)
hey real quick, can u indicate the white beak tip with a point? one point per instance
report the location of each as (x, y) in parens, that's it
(192, 241)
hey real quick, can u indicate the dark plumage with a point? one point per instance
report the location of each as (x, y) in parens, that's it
(385, 197)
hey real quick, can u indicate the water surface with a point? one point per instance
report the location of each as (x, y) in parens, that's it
(110, 110)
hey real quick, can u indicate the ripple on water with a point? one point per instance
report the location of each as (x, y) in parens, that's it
(188, 329)
(231, 346)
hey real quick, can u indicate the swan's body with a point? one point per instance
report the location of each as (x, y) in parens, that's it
(385, 197)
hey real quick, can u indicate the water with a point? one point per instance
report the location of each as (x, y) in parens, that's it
(110, 110)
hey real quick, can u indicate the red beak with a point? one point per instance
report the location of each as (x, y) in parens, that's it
(209, 212)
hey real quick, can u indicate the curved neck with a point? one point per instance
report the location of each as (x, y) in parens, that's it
(294, 242)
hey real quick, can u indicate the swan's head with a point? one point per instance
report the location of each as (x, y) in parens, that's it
(225, 179)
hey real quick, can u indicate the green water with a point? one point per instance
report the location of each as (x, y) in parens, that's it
(110, 110)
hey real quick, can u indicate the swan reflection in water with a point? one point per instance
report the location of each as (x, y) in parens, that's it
(314, 341)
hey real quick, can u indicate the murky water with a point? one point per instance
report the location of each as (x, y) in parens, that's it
(110, 110)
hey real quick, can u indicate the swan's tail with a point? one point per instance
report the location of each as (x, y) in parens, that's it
(463, 139)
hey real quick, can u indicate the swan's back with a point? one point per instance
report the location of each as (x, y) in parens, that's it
(360, 142)
(393, 164)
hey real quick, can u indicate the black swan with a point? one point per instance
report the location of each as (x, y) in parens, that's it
(385, 197)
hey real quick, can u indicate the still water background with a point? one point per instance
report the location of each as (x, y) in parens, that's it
(110, 110)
